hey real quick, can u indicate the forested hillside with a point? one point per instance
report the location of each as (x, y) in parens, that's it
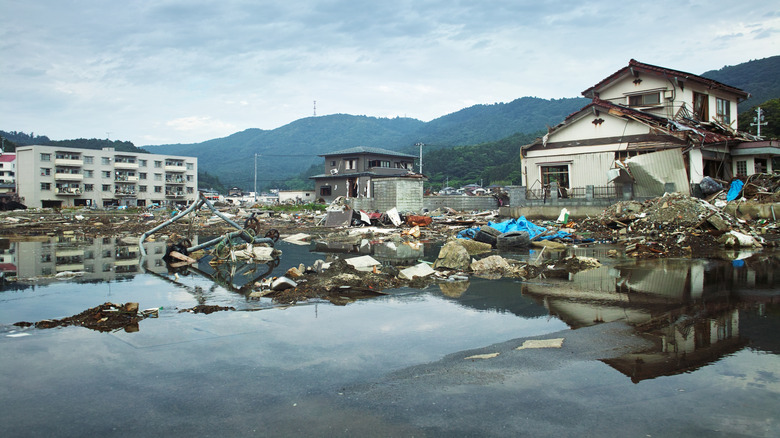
(14, 139)
(760, 78)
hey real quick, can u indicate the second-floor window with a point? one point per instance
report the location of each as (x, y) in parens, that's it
(701, 106)
(723, 110)
(378, 163)
(350, 163)
(647, 99)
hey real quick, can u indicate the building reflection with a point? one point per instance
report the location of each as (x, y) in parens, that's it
(691, 309)
(92, 259)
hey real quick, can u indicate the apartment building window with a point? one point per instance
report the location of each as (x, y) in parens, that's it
(742, 168)
(142, 189)
(647, 99)
(105, 173)
(158, 176)
(190, 190)
(142, 175)
(190, 166)
(105, 160)
(142, 163)
(89, 187)
(45, 186)
(189, 178)
(157, 189)
(89, 173)
(45, 171)
(45, 157)
(106, 187)
(723, 110)
(158, 164)
(89, 160)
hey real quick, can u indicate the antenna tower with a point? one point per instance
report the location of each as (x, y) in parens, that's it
(315, 108)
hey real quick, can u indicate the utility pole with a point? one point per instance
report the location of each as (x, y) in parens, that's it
(256, 177)
(758, 121)
(420, 145)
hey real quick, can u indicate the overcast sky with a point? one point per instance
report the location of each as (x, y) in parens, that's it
(185, 71)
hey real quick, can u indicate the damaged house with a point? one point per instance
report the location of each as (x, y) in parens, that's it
(371, 178)
(648, 130)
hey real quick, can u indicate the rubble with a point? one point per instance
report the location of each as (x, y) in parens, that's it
(104, 318)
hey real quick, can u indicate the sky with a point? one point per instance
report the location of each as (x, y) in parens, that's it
(187, 71)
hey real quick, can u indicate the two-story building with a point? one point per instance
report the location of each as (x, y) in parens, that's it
(351, 172)
(53, 176)
(646, 129)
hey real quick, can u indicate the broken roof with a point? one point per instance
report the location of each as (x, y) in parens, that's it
(693, 131)
(368, 150)
(635, 66)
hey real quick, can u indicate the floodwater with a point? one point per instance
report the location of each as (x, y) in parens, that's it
(650, 348)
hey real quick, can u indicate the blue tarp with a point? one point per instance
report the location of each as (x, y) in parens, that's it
(519, 224)
(734, 190)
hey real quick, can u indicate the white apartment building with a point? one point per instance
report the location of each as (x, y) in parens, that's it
(52, 176)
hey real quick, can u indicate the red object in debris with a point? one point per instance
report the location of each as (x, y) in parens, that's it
(420, 221)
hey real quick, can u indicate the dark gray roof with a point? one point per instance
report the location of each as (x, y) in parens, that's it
(368, 150)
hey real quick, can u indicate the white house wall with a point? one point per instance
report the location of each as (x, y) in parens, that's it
(672, 96)
(584, 128)
(586, 168)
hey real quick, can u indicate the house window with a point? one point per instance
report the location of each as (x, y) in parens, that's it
(723, 110)
(333, 163)
(106, 187)
(45, 186)
(105, 160)
(45, 171)
(742, 168)
(558, 174)
(701, 106)
(325, 191)
(759, 165)
(350, 163)
(378, 163)
(89, 187)
(89, 160)
(648, 99)
(45, 157)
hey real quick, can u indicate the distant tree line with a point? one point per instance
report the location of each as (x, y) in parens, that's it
(13, 139)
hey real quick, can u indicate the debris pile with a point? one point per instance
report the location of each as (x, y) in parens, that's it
(103, 318)
(673, 225)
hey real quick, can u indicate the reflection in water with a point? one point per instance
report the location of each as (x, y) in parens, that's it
(691, 309)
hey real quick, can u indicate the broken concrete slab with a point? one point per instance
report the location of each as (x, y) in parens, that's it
(473, 247)
(419, 270)
(363, 263)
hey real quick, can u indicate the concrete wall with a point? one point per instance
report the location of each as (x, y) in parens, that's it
(461, 203)
(405, 194)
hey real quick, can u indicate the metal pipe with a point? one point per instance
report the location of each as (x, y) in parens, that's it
(165, 224)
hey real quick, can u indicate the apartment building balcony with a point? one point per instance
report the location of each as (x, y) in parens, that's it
(68, 191)
(69, 252)
(175, 195)
(68, 176)
(125, 165)
(125, 179)
(73, 162)
(175, 168)
(174, 181)
(124, 193)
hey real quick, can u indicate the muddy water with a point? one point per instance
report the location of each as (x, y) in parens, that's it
(650, 348)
